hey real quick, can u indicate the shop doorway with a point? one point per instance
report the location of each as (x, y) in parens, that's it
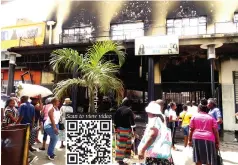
(188, 80)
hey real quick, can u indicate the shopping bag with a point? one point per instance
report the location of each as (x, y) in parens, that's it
(162, 144)
(219, 158)
(188, 156)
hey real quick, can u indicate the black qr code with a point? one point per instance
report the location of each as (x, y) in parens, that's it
(89, 142)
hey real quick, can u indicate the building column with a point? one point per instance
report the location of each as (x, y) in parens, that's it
(211, 55)
(74, 92)
(11, 72)
(150, 78)
(50, 24)
(157, 81)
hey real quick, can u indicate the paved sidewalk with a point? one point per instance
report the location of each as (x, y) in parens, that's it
(229, 152)
(42, 155)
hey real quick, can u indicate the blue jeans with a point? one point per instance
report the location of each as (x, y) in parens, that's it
(185, 130)
(53, 138)
(45, 134)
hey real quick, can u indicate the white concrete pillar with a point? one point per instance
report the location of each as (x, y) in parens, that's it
(50, 24)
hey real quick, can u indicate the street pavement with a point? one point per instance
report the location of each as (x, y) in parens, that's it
(229, 152)
(42, 155)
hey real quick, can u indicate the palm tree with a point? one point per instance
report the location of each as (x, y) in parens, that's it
(96, 73)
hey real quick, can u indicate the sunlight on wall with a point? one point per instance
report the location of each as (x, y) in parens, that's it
(32, 10)
(222, 11)
(225, 10)
(63, 10)
(106, 15)
(160, 12)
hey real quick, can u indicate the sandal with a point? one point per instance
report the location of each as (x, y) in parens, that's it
(62, 146)
(32, 149)
(42, 149)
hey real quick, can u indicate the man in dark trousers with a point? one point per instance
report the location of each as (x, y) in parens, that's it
(37, 103)
(27, 116)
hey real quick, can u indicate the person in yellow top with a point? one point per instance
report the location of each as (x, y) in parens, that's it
(185, 118)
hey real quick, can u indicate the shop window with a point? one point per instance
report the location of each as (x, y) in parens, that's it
(127, 31)
(235, 81)
(79, 34)
(187, 26)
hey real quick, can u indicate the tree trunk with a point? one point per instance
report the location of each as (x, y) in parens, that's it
(91, 100)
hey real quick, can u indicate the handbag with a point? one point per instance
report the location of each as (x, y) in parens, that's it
(61, 126)
(219, 158)
(42, 115)
(162, 145)
(188, 156)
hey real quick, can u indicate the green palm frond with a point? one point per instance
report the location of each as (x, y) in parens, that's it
(67, 58)
(62, 86)
(99, 49)
(95, 71)
(113, 84)
(102, 71)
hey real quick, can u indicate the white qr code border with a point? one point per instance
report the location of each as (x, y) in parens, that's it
(98, 150)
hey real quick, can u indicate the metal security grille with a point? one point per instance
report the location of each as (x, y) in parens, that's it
(236, 86)
(235, 80)
(182, 97)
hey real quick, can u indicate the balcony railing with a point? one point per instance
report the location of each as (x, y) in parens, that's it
(74, 38)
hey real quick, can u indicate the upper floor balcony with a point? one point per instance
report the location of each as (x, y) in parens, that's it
(185, 29)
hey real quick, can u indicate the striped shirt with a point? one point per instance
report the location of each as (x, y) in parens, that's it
(10, 111)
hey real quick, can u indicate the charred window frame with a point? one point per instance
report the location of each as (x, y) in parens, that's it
(235, 82)
(77, 34)
(187, 26)
(126, 31)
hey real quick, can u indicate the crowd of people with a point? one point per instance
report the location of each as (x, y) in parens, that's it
(200, 125)
(48, 117)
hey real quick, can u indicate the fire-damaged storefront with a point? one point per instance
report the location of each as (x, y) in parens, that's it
(176, 77)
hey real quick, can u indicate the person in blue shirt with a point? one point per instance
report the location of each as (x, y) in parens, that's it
(27, 116)
(215, 112)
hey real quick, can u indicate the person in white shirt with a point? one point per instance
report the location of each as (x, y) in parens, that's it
(51, 127)
(66, 108)
(188, 103)
(166, 113)
(194, 109)
(172, 121)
